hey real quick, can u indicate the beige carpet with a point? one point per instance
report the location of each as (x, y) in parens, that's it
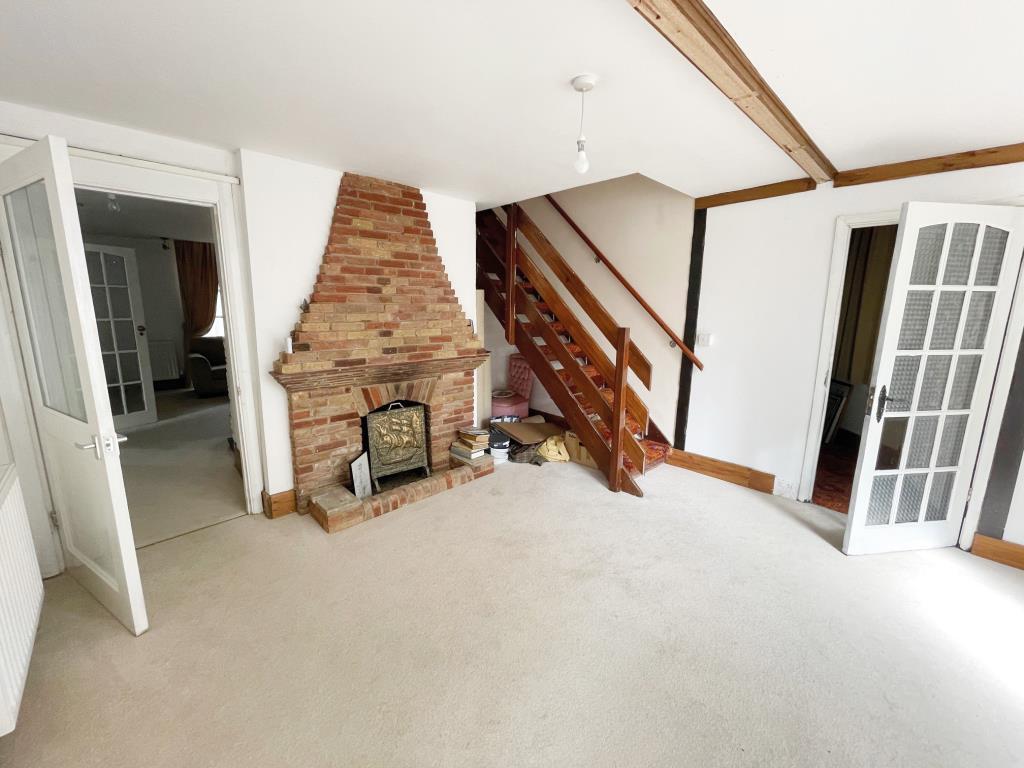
(171, 403)
(180, 476)
(534, 618)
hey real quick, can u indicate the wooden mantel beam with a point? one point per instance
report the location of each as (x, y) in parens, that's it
(695, 32)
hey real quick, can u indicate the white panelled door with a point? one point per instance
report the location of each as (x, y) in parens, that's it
(952, 281)
(48, 277)
(121, 324)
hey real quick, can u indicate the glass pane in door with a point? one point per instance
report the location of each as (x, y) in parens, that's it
(42, 289)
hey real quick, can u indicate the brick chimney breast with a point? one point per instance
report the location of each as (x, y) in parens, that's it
(382, 317)
(382, 295)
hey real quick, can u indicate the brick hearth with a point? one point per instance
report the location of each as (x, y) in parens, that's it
(382, 324)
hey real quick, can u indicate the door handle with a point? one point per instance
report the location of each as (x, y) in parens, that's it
(883, 399)
(141, 329)
(100, 445)
(95, 446)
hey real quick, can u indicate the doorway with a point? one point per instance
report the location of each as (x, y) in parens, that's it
(153, 274)
(868, 264)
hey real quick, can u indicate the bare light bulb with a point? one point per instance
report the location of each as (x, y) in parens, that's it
(582, 164)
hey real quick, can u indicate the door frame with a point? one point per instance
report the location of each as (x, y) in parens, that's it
(826, 351)
(221, 194)
(827, 341)
(1011, 342)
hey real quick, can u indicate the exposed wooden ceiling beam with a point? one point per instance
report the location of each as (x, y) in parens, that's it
(959, 161)
(695, 32)
(755, 193)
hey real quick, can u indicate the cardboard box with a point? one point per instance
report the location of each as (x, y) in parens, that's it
(527, 433)
(578, 451)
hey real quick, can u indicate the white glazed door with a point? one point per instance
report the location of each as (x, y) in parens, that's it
(48, 277)
(121, 324)
(950, 288)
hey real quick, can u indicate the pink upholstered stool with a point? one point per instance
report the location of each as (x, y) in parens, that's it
(515, 401)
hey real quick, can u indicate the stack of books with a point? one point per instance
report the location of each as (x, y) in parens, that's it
(471, 445)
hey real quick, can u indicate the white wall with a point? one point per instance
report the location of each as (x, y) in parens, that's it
(644, 228)
(763, 296)
(161, 298)
(454, 224)
(288, 209)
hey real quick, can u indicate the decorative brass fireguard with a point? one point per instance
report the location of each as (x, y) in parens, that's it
(397, 438)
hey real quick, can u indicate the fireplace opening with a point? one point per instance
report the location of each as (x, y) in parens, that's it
(396, 438)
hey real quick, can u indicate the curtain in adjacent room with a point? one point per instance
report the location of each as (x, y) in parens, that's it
(197, 278)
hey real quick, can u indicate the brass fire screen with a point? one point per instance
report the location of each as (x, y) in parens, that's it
(397, 440)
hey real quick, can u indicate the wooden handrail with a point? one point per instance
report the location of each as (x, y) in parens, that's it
(687, 352)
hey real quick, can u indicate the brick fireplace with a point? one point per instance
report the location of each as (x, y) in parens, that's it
(382, 325)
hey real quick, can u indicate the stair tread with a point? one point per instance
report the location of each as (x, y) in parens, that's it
(574, 349)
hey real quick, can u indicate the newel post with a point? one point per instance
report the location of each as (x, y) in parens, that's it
(618, 409)
(512, 226)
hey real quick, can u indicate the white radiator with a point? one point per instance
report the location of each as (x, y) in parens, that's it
(163, 359)
(21, 597)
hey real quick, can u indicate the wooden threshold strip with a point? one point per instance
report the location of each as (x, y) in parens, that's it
(777, 189)
(723, 470)
(958, 161)
(1005, 552)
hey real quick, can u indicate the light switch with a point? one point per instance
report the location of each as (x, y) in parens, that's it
(705, 339)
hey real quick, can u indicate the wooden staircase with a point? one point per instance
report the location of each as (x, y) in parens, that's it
(590, 388)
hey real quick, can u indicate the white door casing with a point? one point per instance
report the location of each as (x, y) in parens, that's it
(46, 269)
(122, 174)
(121, 323)
(950, 288)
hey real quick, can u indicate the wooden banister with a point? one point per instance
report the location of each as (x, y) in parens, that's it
(618, 423)
(492, 235)
(510, 273)
(687, 352)
(581, 292)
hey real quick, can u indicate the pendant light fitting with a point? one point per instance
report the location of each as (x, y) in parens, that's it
(582, 84)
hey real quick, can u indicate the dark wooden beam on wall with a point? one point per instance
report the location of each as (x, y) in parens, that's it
(700, 218)
(777, 189)
(959, 161)
(695, 32)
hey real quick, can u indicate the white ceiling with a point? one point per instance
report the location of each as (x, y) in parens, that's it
(881, 81)
(142, 217)
(471, 97)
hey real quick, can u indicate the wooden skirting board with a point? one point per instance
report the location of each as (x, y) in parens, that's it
(723, 470)
(1005, 552)
(279, 504)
